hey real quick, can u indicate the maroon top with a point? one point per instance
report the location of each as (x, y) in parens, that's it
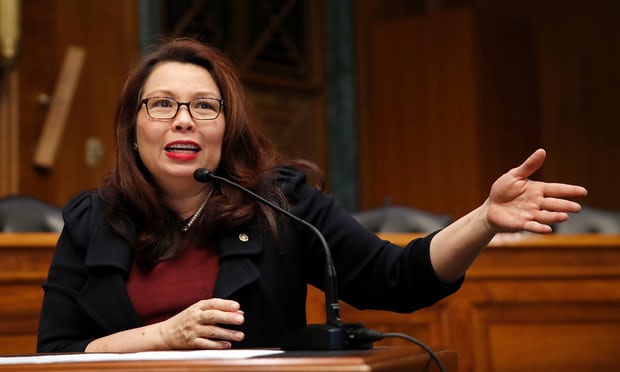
(174, 284)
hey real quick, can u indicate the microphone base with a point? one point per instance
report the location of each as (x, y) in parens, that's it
(323, 337)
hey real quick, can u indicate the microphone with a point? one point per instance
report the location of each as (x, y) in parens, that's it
(333, 335)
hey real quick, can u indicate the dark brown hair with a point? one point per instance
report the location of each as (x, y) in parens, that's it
(248, 158)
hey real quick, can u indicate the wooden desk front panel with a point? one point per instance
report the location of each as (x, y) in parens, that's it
(535, 303)
(24, 261)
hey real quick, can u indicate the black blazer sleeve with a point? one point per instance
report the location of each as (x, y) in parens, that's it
(85, 282)
(372, 273)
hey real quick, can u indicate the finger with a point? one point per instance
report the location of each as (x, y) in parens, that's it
(541, 221)
(537, 227)
(217, 338)
(217, 333)
(205, 343)
(550, 218)
(530, 165)
(221, 317)
(560, 190)
(219, 304)
(560, 205)
(213, 337)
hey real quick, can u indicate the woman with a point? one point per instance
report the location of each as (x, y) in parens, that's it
(154, 260)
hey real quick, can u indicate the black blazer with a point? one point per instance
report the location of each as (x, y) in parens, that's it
(85, 295)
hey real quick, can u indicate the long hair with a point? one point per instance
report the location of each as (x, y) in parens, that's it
(248, 158)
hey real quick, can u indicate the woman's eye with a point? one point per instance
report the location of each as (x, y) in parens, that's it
(162, 103)
(204, 105)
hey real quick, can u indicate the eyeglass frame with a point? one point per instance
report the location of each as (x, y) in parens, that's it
(144, 102)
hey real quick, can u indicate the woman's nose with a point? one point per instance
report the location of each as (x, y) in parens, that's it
(183, 121)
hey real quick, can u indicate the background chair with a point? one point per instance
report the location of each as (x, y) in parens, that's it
(20, 213)
(394, 218)
(590, 221)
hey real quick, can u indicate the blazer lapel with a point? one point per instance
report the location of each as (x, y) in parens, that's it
(105, 297)
(236, 267)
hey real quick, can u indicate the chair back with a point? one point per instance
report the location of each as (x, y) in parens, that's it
(401, 219)
(19, 213)
(590, 221)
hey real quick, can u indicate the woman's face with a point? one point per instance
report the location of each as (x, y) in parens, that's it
(171, 149)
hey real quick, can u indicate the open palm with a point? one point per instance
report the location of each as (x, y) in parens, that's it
(517, 203)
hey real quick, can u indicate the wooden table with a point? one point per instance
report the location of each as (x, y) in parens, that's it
(410, 359)
(529, 303)
(24, 262)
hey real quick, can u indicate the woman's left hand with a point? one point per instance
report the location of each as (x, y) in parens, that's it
(517, 203)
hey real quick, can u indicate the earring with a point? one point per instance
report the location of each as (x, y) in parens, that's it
(135, 146)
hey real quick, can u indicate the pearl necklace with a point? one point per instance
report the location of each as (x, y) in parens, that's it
(197, 213)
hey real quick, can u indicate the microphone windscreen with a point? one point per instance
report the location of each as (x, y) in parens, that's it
(202, 175)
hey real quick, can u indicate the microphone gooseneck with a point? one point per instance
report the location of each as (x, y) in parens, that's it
(332, 307)
(334, 335)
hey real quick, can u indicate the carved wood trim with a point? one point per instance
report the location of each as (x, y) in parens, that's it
(9, 133)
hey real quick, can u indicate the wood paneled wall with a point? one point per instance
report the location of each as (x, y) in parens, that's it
(430, 139)
(450, 98)
(108, 31)
(578, 59)
(292, 105)
(446, 101)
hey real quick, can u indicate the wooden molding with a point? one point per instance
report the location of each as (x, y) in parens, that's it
(9, 133)
(55, 122)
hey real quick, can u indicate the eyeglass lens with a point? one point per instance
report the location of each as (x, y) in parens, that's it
(167, 108)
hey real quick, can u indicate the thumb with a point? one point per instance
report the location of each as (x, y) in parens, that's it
(530, 165)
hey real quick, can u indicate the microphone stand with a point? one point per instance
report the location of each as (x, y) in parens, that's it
(333, 335)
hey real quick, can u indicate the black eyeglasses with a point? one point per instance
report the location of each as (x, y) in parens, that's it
(199, 108)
